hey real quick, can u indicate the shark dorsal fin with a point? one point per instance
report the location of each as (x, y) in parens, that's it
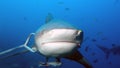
(49, 18)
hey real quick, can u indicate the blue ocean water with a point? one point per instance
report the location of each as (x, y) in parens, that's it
(99, 19)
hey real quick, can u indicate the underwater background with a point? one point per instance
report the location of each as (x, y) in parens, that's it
(99, 19)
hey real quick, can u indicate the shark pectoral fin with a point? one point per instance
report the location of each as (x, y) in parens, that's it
(77, 56)
(84, 62)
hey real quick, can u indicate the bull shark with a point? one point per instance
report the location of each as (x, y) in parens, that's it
(57, 39)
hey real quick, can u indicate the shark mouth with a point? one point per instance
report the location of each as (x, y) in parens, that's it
(78, 44)
(59, 35)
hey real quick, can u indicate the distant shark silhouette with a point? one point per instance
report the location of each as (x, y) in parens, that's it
(56, 39)
(114, 50)
(116, 2)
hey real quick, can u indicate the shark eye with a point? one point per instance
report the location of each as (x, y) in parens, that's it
(79, 37)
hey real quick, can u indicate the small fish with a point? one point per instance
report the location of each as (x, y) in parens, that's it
(104, 38)
(110, 62)
(67, 9)
(113, 45)
(94, 40)
(95, 61)
(24, 18)
(114, 50)
(61, 2)
(86, 48)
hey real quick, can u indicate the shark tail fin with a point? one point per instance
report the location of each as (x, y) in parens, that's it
(107, 51)
(18, 47)
(49, 18)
